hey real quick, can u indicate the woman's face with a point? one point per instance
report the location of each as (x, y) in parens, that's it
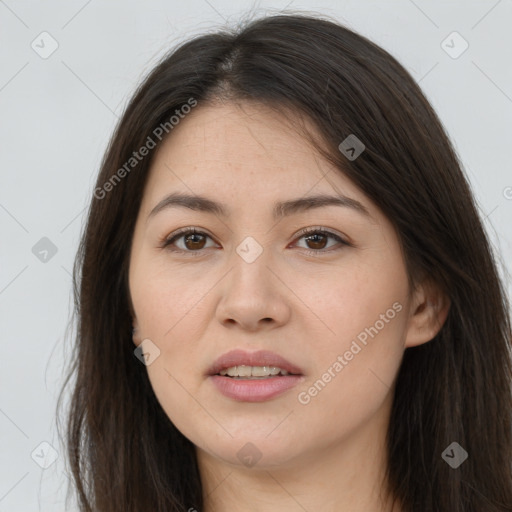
(338, 314)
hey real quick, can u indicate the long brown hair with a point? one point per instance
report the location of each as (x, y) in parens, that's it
(124, 452)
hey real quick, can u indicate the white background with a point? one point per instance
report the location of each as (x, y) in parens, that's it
(57, 114)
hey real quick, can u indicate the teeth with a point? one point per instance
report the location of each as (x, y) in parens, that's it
(252, 371)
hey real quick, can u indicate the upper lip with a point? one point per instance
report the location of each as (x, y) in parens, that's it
(240, 357)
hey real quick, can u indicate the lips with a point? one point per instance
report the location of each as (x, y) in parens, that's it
(240, 357)
(251, 389)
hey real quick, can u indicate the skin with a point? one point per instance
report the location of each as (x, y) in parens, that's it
(328, 454)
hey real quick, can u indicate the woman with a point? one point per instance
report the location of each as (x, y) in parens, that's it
(229, 356)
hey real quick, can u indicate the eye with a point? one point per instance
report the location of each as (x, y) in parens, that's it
(194, 240)
(318, 237)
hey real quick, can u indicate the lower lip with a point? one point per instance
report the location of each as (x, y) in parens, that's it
(255, 390)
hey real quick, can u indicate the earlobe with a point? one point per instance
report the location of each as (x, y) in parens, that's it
(429, 312)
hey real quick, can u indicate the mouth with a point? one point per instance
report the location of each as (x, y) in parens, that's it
(253, 377)
(254, 372)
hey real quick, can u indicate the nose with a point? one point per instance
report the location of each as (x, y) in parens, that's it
(253, 297)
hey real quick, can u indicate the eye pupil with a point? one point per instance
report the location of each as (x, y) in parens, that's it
(188, 237)
(316, 242)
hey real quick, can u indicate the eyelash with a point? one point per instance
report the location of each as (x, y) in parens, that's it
(166, 242)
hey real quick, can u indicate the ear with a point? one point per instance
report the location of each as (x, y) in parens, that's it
(135, 324)
(428, 313)
(135, 332)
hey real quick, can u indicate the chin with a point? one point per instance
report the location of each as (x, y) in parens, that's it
(256, 453)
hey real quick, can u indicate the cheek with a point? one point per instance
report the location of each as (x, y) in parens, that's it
(357, 360)
(170, 313)
(352, 379)
(165, 299)
(358, 301)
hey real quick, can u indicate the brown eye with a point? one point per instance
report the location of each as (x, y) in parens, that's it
(317, 240)
(193, 241)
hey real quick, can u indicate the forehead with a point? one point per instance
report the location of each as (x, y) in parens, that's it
(238, 133)
(243, 146)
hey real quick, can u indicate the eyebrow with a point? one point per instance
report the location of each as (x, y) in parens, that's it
(281, 209)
